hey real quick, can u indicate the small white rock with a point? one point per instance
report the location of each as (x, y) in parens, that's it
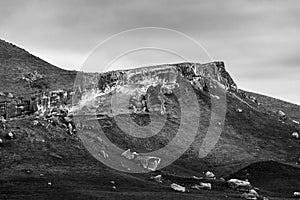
(177, 187)
(210, 175)
(296, 194)
(239, 110)
(295, 135)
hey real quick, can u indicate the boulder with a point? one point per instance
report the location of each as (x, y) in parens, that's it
(209, 175)
(178, 188)
(35, 122)
(238, 184)
(295, 135)
(10, 136)
(157, 178)
(148, 162)
(129, 155)
(282, 115)
(239, 110)
(252, 191)
(296, 194)
(204, 186)
(296, 122)
(249, 196)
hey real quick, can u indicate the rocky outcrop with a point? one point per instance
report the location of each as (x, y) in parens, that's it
(146, 88)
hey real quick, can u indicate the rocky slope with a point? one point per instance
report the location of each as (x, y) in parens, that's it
(22, 72)
(156, 102)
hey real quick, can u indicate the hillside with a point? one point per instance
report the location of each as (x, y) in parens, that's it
(144, 110)
(22, 72)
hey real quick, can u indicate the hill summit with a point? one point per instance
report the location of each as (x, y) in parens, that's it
(23, 73)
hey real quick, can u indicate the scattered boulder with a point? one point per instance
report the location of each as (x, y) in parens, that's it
(296, 122)
(104, 154)
(239, 110)
(178, 188)
(252, 191)
(252, 98)
(296, 194)
(249, 196)
(215, 96)
(295, 135)
(10, 95)
(239, 184)
(204, 186)
(282, 115)
(1, 142)
(148, 162)
(10, 136)
(2, 119)
(55, 155)
(35, 122)
(157, 178)
(196, 177)
(129, 155)
(210, 175)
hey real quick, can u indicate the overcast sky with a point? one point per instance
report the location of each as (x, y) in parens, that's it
(259, 41)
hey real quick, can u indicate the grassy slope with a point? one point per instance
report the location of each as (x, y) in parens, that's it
(252, 136)
(273, 105)
(248, 137)
(15, 62)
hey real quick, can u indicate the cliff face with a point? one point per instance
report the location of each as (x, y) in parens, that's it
(145, 88)
(143, 110)
(166, 74)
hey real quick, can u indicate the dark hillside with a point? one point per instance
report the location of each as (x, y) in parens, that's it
(22, 72)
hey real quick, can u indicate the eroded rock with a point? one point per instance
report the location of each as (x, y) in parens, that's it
(178, 188)
(239, 184)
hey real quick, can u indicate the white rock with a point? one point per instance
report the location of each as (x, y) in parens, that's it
(215, 96)
(296, 122)
(296, 194)
(235, 183)
(196, 177)
(157, 178)
(10, 134)
(204, 186)
(177, 187)
(127, 154)
(252, 191)
(295, 135)
(148, 162)
(210, 175)
(104, 154)
(239, 110)
(249, 196)
(35, 122)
